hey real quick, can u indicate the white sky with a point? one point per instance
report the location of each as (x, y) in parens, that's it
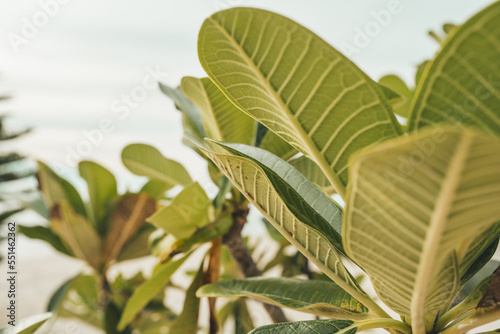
(88, 54)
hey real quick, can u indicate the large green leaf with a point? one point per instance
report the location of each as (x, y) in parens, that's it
(296, 208)
(127, 218)
(222, 120)
(76, 233)
(145, 160)
(187, 321)
(311, 296)
(149, 289)
(185, 214)
(102, 189)
(462, 84)
(297, 85)
(27, 326)
(414, 205)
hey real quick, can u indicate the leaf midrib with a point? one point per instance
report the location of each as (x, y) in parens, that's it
(434, 235)
(332, 177)
(129, 224)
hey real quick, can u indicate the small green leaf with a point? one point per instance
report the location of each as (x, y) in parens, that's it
(155, 189)
(185, 214)
(102, 189)
(310, 296)
(187, 321)
(191, 113)
(149, 289)
(222, 120)
(45, 234)
(27, 326)
(55, 188)
(145, 160)
(76, 233)
(401, 103)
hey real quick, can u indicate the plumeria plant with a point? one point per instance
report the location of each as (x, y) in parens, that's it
(421, 214)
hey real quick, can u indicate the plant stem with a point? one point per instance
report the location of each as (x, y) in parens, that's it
(212, 276)
(451, 315)
(236, 245)
(384, 323)
(476, 319)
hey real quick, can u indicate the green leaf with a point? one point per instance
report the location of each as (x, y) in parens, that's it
(55, 188)
(185, 214)
(76, 233)
(27, 326)
(313, 326)
(138, 246)
(310, 169)
(310, 296)
(297, 209)
(413, 204)
(155, 189)
(149, 289)
(466, 305)
(45, 234)
(486, 271)
(111, 317)
(191, 113)
(479, 252)
(187, 321)
(204, 234)
(401, 102)
(82, 301)
(127, 218)
(243, 322)
(462, 84)
(491, 298)
(486, 311)
(222, 120)
(145, 160)
(102, 189)
(277, 146)
(297, 85)
(59, 295)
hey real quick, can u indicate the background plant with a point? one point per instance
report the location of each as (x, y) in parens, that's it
(191, 219)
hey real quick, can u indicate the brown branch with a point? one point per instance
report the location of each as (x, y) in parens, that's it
(236, 245)
(212, 276)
